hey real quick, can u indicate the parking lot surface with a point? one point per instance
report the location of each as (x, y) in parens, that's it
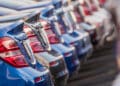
(99, 70)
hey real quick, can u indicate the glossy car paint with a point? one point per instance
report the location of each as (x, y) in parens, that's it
(75, 38)
(25, 75)
(19, 8)
(71, 59)
(51, 56)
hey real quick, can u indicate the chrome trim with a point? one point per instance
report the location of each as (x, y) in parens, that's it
(26, 44)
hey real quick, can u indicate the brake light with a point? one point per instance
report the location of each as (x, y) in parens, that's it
(72, 43)
(102, 2)
(38, 79)
(34, 42)
(78, 17)
(45, 24)
(53, 40)
(36, 46)
(87, 11)
(68, 54)
(10, 53)
(54, 63)
(93, 8)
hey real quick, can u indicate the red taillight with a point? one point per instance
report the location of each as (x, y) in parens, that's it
(54, 63)
(102, 2)
(52, 37)
(34, 42)
(28, 31)
(87, 11)
(45, 24)
(68, 54)
(72, 43)
(10, 53)
(17, 61)
(93, 8)
(36, 47)
(78, 17)
(53, 40)
(38, 79)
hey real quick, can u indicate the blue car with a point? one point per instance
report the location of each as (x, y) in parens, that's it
(16, 62)
(69, 52)
(79, 39)
(49, 58)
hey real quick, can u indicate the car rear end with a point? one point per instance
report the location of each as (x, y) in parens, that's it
(70, 56)
(59, 70)
(44, 80)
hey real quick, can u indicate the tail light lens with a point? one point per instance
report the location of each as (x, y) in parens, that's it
(38, 79)
(53, 63)
(45, 24)
(93, 8)
(102, 1)
(72, 43)
(78, 17)
(34, 42)
(87, 11)
(10, 53)
(53, 40)
(52, 37)
(67, 54)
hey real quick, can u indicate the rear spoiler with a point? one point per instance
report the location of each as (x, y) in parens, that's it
(11, 28)
(24, 16)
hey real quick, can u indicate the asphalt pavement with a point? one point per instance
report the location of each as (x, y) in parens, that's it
(99, 70)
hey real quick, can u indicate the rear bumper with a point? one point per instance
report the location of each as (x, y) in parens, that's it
(73, 66)
(47, 81)
(62, 81)
(60, 70)
(86, 52)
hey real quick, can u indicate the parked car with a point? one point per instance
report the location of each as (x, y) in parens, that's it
(73, 38)
(88, 48)
(69, 51)
(16, 62)
(79, 20)
(53, 58)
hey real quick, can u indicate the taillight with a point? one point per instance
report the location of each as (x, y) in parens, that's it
(53, 40)
(78, 17)
(52, 37)
(102, 2)
(10, 53)
(45, 24)
(87, 11)
(34, 42)
(53, 63)
(67, 54)
(38, 79)
(72, 43)
(93, 8)
(36, 45)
